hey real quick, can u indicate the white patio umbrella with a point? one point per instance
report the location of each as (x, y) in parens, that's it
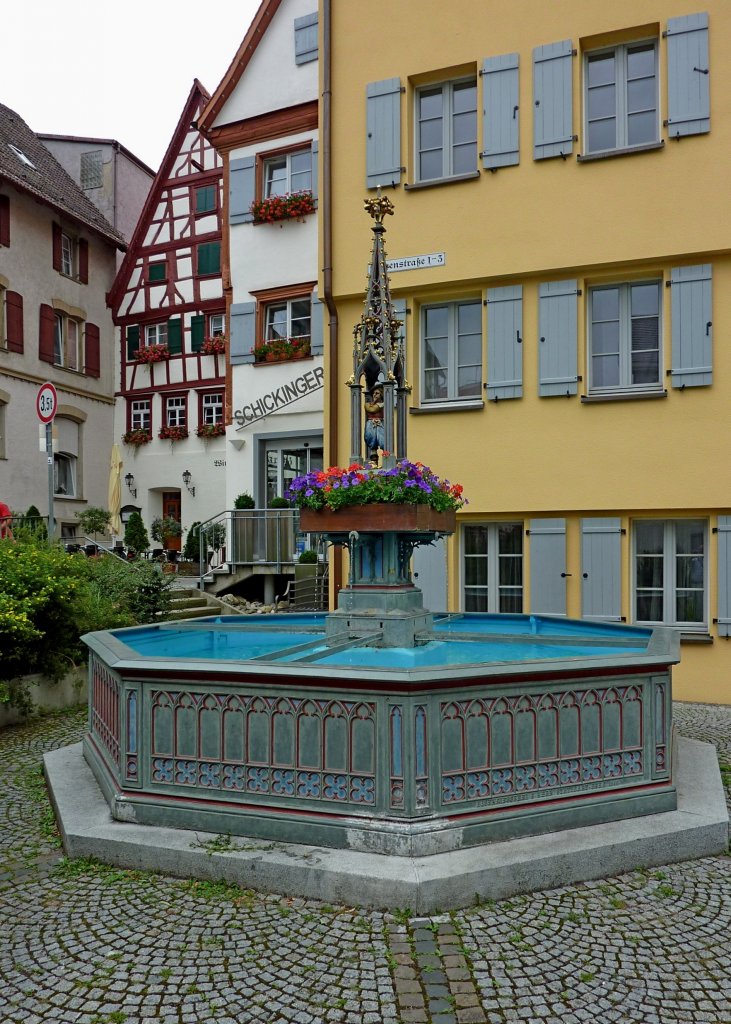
(114, 494)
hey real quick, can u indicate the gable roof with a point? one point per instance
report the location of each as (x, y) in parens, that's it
(91, 140)
(257, 28)
(198, 93)
(40, 175)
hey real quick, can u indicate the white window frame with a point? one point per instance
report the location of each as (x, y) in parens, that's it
(212, 409)
(3, 319)
(287, 305)
(140, 417)
(70, 462)
(625, 338)
(156, 334)
(294, 180)
(68, 254)
(176, 411)
(452, 366)
(669, 585)
(216, 324)
(68, 342)
(495, 589)
(447, 142)
(621, 113)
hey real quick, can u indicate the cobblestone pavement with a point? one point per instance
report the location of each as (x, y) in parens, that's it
(81, 943)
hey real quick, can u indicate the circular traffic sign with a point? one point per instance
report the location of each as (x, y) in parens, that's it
(46, 402)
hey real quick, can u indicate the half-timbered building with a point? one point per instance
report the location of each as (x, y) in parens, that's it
(168, 306)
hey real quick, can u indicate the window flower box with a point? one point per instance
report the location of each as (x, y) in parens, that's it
(277, 350)
(293, 206)
(207, 430)
(382, 517)
(172, 433)
(137, 437)
(155, 353)
(214, 346)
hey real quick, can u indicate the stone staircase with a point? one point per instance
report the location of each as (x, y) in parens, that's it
(191, 603)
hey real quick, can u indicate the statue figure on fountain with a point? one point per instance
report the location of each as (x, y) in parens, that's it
(374, 432)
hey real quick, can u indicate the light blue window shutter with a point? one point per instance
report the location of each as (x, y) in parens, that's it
(692, 316)
(315, 149)
(548, 566)
(553, 133)
(500, 111)
(383, 133)
(558, 339)
(242, 332)
(505, 342)
(305, 38)
(241, 190)
(724, 576)
(317, 326)
(689, 103)
(601, 569)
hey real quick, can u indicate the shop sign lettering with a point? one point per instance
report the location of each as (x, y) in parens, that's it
(280, 397)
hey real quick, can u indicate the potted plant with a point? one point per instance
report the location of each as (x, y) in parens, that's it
(305, 579)
(190, 564)
(244, 500)
(135, 535)
(172, 433)
(155, 353)
(163, 530)
(293, 206)
(209, 430)
(276, 350)
(137, 437)
(244, 538)
(214, 346)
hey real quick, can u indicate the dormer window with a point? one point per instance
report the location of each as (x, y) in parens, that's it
(21, 156)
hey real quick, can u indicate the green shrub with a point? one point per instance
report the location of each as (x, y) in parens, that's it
(165, 527)
(244, 501)
(94, 520)
(308, 557)
(135, 534)
(279, 503)
(30, 526)
(191, 550)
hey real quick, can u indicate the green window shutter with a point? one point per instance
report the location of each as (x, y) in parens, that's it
(209, 258)
(724, 576)
(501, 124)
(692, 326)
(552, 100)
(548, 566)
(197, 332)
(241, 186)
(242, 332)
(689, 102)
(558, 339)
(157, 272)
(205, 199)
(505, 342)
(383, 133)
(175, 336)
(601, 569)
(305, 38)
(133, 341)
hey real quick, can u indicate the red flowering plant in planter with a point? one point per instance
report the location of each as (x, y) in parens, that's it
(206, 430)
(276, 350)
(155, 353)
(406, 483)
(172, 433)
(137, 437)
(292, 206)
(214, 346)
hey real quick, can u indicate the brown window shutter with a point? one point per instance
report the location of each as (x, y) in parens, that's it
(56, 247)
(92, 364)
(83, 261)
(14, 319)
(46, 333)
(4, 220)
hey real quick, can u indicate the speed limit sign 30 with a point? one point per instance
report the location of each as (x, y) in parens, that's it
(46, 402)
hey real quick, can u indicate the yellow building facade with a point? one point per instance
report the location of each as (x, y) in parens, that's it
(561, 247)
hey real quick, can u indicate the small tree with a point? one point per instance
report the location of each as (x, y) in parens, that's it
(30, 526)
(135, 534)
(164, 527)
(94, 520)
(191, 551)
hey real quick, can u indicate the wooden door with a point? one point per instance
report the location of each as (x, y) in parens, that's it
(171, 508)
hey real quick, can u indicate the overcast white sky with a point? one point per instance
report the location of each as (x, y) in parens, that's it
(115, 70)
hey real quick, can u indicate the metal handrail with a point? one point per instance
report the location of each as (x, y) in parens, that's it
(255, 542)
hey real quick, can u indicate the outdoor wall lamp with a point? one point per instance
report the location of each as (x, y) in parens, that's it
(129, 480)
(186, 481)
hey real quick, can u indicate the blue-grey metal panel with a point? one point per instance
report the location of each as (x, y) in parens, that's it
(505, 342)
(553, 133)
(315, 149)
(429, 565)
(383, 133)
(689, 102)
(548, 566)
(305, 38)
(242, 332)
(724, 576)
(500, 110)
(317, 326)
(241, 190)
(692, 319)
(601, 569)
(557, 338)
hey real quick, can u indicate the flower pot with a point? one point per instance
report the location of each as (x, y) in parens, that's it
(378, 518)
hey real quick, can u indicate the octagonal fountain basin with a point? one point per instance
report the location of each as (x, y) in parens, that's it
(492, 726)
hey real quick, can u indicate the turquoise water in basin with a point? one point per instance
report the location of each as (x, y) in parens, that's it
(287, 638)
